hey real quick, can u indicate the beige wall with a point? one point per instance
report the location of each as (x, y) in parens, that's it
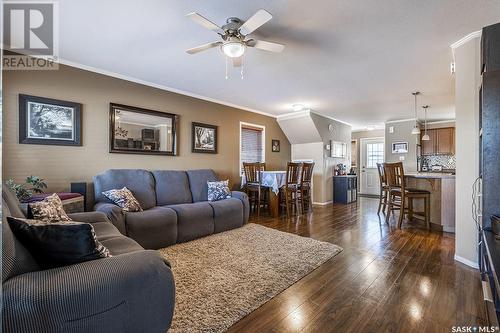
(467, 80)
(61, 165)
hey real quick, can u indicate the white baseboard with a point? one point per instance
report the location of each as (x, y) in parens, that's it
(322, 203)
(467, 262)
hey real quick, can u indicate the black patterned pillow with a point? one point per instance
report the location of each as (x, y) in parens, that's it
(49, 209)
(124, 198)
(218, 190)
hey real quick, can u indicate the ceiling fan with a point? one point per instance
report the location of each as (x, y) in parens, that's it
(234, 36)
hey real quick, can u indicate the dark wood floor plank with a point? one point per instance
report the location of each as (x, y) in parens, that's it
(385, 280)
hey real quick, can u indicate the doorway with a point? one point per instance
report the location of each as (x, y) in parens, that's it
(372, 152)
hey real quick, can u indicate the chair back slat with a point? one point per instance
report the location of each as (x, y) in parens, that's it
(253, 172)
(293, 173)
(306, 174)
(395, 175)
(381, 174)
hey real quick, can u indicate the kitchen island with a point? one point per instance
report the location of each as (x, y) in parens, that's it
(442, 188)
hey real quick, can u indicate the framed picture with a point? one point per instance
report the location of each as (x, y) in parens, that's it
(399, 147)
(204, 138)
(134, 130)
(46, 121)
(275, 146)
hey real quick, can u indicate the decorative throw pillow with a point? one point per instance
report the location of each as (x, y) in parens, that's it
(124, 198)
(218, 190)
(49, 209)
(58, 243)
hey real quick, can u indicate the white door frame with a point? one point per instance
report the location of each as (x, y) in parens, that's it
(362, 154)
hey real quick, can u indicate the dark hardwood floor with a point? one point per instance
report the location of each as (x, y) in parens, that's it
(385, 280)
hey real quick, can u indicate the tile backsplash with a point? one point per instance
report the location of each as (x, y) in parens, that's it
(447, 161)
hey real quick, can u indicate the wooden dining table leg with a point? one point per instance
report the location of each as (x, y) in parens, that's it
(274, 203)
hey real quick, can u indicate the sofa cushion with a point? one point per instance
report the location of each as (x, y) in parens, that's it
(228, 214)
(140, 182)
(172, 187)
(193, 220)
(105, 230)
(11, 201)
(154, 228)
(121, 245)
(198, 183)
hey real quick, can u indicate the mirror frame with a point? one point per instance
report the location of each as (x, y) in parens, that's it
(175, 125)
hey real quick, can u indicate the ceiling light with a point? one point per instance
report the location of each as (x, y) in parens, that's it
(425, 137)
(370, 128)
(416, 129)
(298, 107)
(233, 47)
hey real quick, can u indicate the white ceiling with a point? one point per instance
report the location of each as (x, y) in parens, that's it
(357, 61)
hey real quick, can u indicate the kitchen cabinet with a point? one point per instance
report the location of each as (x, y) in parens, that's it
(441, 142)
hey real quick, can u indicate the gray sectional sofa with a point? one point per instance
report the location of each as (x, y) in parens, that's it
(175, 205)
(132, 291)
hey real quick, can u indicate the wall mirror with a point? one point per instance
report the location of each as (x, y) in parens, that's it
(140, 131)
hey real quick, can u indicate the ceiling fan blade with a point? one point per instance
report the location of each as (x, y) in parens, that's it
(203, 47)
(204, 22)
(255, 22)
(238, 62)
(266, 46)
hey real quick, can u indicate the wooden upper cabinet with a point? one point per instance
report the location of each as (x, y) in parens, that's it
(428, 147)
(445, 144)
(441, 142)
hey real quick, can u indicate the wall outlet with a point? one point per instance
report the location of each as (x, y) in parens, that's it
(401, 158)
(391, 129)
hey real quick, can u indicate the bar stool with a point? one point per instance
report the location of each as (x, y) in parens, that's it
(253, 187)
(401, 198)
(384, 188)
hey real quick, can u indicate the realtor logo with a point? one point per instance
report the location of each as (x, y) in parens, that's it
(30, 35)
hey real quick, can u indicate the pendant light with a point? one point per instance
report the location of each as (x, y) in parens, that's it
(416, 129)
(425, 137)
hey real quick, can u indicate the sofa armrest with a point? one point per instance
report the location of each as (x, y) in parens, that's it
(246, 205)
(114, 213)
(89, 217)
(104, 295)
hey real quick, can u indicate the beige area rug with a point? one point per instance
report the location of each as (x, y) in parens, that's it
(221, 278)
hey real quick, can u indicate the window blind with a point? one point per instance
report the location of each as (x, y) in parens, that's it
(251, 145)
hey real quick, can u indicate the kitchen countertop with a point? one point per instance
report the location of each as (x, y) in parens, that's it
(433, 175)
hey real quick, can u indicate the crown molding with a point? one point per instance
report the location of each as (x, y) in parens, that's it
(293, 115)
(463, 40)
(160, 86)
(399, 121)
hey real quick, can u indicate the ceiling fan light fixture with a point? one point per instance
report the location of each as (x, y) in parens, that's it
(298, 107)
(233, 48)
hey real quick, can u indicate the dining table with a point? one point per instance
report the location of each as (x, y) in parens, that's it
(273, 181)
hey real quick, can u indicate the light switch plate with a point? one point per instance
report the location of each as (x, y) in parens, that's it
(401, 158)
(391, 129)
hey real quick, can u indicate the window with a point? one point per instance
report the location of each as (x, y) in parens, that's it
(374, 154)
(251, 143)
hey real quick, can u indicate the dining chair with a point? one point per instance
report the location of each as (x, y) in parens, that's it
(305, 187)
(253, 185)
(401, 197)
(384, 189)
(290, 191)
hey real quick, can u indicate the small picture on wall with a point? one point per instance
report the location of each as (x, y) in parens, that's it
(275, 146)
(48, 121)
(204, 138)
(399, 147)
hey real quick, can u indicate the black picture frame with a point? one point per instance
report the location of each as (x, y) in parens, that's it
(196, 136)
(112, 122)
(33, 129)
(275, 146)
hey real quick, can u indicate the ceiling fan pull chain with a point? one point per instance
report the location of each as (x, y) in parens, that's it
(242, 65)
(227, 76)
